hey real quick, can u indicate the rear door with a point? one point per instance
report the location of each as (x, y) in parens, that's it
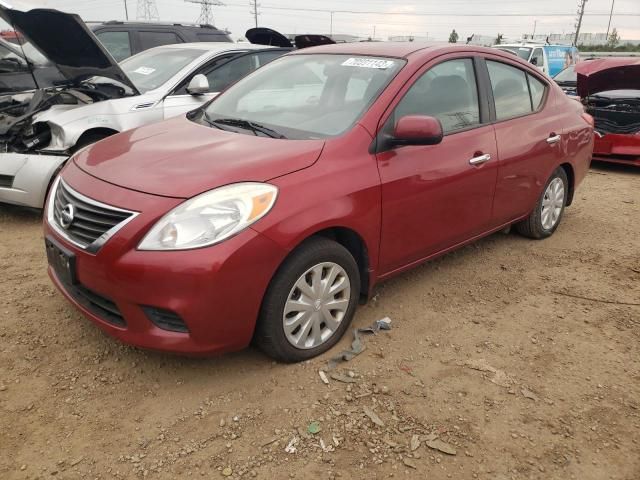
(435, 197)
(529, 135)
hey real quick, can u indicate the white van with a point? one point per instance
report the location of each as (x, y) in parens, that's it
(551, 59)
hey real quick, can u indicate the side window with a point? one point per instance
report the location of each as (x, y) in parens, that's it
(537, 91)
(232, 71)
(207, 70)
(266, 57)
(149, 39)
(448, 92)
(117, 43)
(510, 90)
(537, 58)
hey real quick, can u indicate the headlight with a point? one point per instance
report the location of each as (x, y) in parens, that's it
(211, 217)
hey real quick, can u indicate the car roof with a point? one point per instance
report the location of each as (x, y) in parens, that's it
(212, 46)
(398, 49)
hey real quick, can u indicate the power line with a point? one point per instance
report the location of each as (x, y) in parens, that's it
(147, 10)
(206, 12)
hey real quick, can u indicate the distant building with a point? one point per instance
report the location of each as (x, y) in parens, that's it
(583, 39)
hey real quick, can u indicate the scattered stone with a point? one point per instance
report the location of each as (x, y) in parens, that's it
(529, 394)
(444, 447)
(374, 418)
(323, 377)
(499, 377)
(415, 443)
(343, 378)
(409, 463)
(222, 422)
(226, 472)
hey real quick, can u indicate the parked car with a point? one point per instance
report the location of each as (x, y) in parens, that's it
(551, 59)
(23, 68)
(610, 90)
(39, 132)
(124, 39)
(269, 213)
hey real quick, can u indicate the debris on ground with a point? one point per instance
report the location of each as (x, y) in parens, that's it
(323, 377)
(415, 442)
(529, 394)
(443, 447)
(313, 428)
(373, 416)
(291, 446)
(357, 345)
(499, 377)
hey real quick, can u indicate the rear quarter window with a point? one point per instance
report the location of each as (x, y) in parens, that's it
(150, 39)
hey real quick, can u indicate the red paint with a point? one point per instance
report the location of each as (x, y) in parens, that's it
(602, 74)
(407, 204)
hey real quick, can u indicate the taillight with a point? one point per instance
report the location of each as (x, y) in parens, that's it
(589, 119)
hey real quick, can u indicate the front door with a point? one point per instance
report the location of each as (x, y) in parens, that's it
(435, 197)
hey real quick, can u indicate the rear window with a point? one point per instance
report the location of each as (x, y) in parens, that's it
(149, 39)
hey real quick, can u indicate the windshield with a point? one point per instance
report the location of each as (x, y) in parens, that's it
(307, 96)
(522, 52)
(151, 69)
(567, 75)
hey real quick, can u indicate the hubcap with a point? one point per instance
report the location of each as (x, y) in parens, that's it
(552, 203)
(316, 305)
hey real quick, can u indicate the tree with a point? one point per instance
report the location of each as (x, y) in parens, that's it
(453, 37)
(499, 39)
(614, 39)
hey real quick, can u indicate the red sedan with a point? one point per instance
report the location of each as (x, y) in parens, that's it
(610, 90)
(271, 212)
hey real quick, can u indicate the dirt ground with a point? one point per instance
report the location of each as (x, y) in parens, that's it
(487, 360)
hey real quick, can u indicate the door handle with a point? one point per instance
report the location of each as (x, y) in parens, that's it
(553, 139)
(480, 159)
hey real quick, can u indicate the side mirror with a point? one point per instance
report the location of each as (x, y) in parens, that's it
(417, 130)
(198, 85)
(534, 61)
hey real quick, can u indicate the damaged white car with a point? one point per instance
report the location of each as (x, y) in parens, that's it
(97, 98)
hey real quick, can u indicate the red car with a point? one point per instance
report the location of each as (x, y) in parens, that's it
(270, 213)
(610, 90)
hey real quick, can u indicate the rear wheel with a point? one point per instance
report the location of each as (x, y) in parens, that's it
(546, 217)
(310, 302)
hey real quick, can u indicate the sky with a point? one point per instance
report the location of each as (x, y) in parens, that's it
(432, 18)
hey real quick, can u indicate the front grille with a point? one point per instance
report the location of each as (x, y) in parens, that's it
(86, 221)
(165, 319)
(6, 181)
(101, 306)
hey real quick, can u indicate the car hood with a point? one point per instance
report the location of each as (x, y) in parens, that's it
(66, 41)
(180, 158)
(606, 74)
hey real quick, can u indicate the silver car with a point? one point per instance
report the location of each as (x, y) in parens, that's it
(40, 130)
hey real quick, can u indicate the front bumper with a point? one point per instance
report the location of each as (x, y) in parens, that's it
(617, 148)
(216, 291)
(25, 178)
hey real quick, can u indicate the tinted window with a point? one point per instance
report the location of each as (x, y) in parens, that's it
(151, 69)
(156, 39)
(212, 37)
(232, 71)
(117, 43)
(510, 90)
(537, 92)
(448, 92)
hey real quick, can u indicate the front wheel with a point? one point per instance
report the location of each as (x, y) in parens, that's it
(310, 302)
(546, 217)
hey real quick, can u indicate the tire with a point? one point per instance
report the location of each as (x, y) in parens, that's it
(317, 258)
(538, 225)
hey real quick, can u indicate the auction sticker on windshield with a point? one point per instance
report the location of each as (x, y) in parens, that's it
(368, 63)
(144, 70)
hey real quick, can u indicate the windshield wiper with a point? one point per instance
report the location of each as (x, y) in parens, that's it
(248, 125)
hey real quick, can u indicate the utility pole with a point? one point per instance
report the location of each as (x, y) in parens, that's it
(147, 10)
(533, 35)
(254, 10)
(331, 24)
(126, 11)
(206, 12)
(613, 2)
(579, 24)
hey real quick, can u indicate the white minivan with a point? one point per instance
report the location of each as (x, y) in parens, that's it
(551, 59)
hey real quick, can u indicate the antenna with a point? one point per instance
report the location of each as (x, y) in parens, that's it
(206, 12)
(147, 10)
(254, 10)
